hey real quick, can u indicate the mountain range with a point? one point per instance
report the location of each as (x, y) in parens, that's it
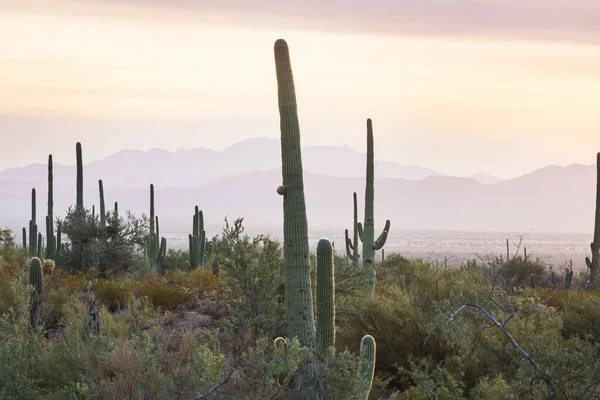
(242, 180)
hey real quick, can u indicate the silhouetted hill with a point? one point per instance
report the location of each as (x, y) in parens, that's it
(135, 168)
(551, 199)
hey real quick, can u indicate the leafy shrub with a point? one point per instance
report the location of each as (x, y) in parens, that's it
(115, 294)
(165, 296)
(204, 279)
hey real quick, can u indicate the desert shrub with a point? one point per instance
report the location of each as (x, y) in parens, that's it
(204, 279)
(115, 294)
(253, 271)
(495, 388)
(165, 296)
(176, 277)
(581, 314)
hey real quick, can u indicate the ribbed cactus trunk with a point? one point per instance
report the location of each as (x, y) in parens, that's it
(596, 243)
(298, 295)
(367, 233)
(116, 212)
(58, 240)
(367, 364)
(50, 215)
(24, 238)
(36, 280)
(79, 203)
(325, 291)
(102, 206)
(33, 225)
(151, 244)
(40, 246)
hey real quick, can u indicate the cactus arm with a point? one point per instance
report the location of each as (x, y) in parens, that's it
(325, 291)
(367, 364)
(298, 294)
(380, 242)
(360, 231)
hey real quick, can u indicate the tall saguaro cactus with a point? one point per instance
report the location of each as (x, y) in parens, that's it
(33, 229)
(325, 291)
(298, 295)
(79, 203)
(152, 245)
(367, 233)
(595, 245)
(50, 214)
(352, 244)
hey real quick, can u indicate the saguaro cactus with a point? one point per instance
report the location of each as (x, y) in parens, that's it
(102, 206)
(367, 364)
(79, 204)
(24, 238)
(532, 281)
(367, 234)
(298, 295)
(325, 291)
(151, 245)
(50, 215)
(197, 239)
(36, 280)
(595, 245)
(352, 245)
(568, 278)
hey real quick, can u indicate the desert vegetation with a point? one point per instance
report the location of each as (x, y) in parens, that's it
(100, 308)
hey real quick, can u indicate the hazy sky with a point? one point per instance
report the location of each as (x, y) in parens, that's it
(460, 86)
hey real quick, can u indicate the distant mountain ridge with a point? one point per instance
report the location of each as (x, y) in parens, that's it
(202, 166)
(550, 199)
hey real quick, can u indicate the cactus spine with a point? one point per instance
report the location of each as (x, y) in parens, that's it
(298, 295)
(352, 245)
(325, 291)
(367, 364)
(366, 233)
(36, 280)
(79, 203)
(50, 215)
(102, 206)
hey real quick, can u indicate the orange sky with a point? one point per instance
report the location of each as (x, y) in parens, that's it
(503, 100)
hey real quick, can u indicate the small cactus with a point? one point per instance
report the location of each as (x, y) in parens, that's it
(568, 278)
(367, 364)
(325, 291)
(352, 244)
(532, 281)
(36, 280)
